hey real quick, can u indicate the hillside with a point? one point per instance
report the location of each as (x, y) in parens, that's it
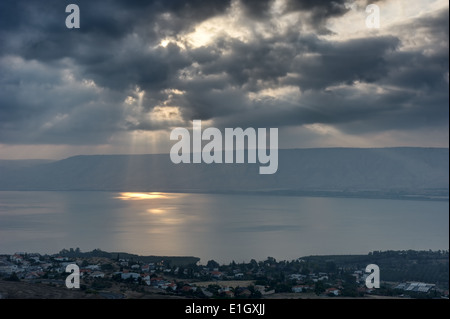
(385, 172)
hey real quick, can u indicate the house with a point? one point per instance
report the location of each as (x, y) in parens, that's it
(93, 267)
(34, 275)
(146, 278)
(65, 264)
(297, 277)
(98, 274)
(245, 293)
(127, 275)
(46, 266)
(239, 275)
(216, 274)
(157, 281)
(35, 259)
(262, 290)
(187, 288)
(332, 291)
(415, 286)
(363, 278)
(135, 267)
(206, 293)
(59, 258)
(84, 272)
(164, 285)
(173, 286)
(301, 288)
(297, 289)
(9, 269)
(17, 258)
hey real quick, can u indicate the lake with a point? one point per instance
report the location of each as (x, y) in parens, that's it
(216, 226)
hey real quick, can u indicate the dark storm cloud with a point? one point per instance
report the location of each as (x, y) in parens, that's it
(320, 11)
(338, 63)
(39, 105)
(257, 8)
(111, 48)
(358, 85)
(43, 35)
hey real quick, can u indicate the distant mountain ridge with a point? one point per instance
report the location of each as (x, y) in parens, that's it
(386, 172)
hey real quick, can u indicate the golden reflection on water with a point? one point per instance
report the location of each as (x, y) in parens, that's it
(156, 211)
(142, 196)
(159, 213)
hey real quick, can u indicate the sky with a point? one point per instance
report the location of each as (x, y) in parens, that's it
(135, 70)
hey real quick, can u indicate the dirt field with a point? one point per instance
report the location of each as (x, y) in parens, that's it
(234, 284)
(23, 290)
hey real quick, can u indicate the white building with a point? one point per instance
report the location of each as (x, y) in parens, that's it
(127, 275)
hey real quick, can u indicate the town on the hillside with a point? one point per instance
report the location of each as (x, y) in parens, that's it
(403, 274)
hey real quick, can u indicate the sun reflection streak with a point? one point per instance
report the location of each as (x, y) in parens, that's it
(142, 196)
(157, 211)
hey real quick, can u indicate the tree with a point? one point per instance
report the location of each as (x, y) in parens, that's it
(282, 287)
(212, 264)
(319, 287)
(13, 277)
(330, 267)
(349, 286)
(255, 293)
(107, 267)
(305, 271)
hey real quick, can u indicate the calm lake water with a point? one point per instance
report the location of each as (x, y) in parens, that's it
(219, 227)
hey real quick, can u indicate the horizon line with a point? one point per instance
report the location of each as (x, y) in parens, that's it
(245, 149)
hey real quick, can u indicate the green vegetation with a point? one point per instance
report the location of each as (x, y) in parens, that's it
(395, 266)
(174, 261)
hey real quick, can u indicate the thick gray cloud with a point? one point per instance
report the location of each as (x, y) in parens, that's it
(61, 86)
(319, 11)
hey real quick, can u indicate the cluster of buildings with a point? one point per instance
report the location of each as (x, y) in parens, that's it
(416, 287)
(258, 279)
(25, 266)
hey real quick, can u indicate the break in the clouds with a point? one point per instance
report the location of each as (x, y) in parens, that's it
(137, 69)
